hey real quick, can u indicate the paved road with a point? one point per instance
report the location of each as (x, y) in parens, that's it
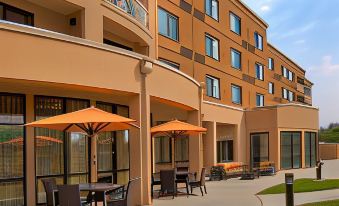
(236, 192)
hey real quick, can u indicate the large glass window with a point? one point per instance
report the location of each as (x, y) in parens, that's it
(260, 100)
(236, 94)
(51, 146)
(10, 13)
(181, 149)
(212, 47)
(310, 149)
(235, 23)
(258, 41)
(212, 8)
(212, 87)
(259, 71)
(225, 151)
(168, 24)
(162, 149)
(12, 145)
(290, 152)
(236, 59)
(113, 148)
(259, 148)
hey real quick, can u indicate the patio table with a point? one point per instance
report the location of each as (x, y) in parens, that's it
(100, 188)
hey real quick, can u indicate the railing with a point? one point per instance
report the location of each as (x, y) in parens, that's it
(134, 8)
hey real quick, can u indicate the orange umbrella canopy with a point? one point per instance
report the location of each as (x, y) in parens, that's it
(90, 121)
(178, 127)
(41, 141)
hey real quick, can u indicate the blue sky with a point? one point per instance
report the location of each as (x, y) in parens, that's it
(308, 32)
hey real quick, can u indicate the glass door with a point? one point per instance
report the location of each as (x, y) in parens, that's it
(290, 152)
(259, 148)
(310, 149)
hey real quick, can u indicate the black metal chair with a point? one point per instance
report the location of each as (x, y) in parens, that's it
(199, 183)
(49, 186)
(69, 195)
(182, 178)
(168, 184)
(123, 201)
(155, 181)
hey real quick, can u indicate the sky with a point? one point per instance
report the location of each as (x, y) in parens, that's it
(307, 31)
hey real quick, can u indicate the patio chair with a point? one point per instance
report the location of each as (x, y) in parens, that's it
(199, 183)
(168, 185)
(124, 199)
(155, 181)
(50, 186)
(69, 195)
(182, 178)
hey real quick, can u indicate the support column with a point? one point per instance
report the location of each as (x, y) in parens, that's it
(94, 25)
(195, 144)
(30, 154)
(210, 145)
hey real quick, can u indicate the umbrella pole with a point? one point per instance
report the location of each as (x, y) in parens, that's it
(94, 162)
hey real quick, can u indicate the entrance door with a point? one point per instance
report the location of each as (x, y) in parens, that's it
(259, 148)
(290, 152)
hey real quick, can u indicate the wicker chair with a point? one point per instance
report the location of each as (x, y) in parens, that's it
(124, 199)
(182, 178)
(168, 184)
(69, 195)
(50, 186)
(154, 181)
(199, 183)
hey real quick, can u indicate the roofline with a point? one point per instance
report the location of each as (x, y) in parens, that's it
(254, 13)
(296, 64)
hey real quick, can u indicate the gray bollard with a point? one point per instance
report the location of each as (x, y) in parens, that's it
(289, 179)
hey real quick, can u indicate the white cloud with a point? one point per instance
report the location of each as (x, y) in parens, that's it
(300, 41)
(327, 67)
(265, 8)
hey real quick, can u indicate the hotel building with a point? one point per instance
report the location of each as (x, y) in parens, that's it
(206, 62)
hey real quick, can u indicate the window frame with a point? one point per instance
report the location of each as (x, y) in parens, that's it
(271, 64)
(212, 38)
(251, 148)
(261, 78)
(170, 151)
(27, 14)
(170, 63)
(257, 36)
(227, 142)
(214, 79)
(271, 89)
(211, 10)
(168, 15)
(292, 149)
(230, 22)
(263, 99)
(240, 93)
(240, 59)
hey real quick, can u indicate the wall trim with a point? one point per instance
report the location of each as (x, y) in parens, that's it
(223, 105)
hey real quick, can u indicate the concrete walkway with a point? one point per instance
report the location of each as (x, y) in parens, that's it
(235, 192)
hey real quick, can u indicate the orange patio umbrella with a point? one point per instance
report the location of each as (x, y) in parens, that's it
(91, 122)
(176, 129)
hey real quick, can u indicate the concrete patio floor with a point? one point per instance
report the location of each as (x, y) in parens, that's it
(235, 192)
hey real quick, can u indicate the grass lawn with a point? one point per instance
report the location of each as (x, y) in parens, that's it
(303, 185)
(326, 203)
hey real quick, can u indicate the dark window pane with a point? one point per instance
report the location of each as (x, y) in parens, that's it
(181, 149)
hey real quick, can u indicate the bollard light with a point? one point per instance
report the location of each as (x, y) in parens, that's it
(289, 180)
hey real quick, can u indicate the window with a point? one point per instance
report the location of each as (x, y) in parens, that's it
(168, 24)
(260, 100)
(162, 149)
(113, 148)
(225, 151)
(12, 144)
(287, 73)
(290, 152)
(310, 149)
(259, 148)
(15, 15)
(284, 93)
(181, 149)
(235, 23)
(301, 99)
(308, 91)
(112, 43)
(290, 96)
(212, 47)
(259, 71)
(236, 94)
(270, 88)
(270, 63)
(258, 41)
(212, 87)
(290, 76)
(300, 80)
(170, 63)
(236, 59)
(212, 8)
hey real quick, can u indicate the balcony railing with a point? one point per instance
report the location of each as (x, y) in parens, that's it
(134, 8)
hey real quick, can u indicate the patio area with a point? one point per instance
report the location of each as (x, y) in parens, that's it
(242, 192)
